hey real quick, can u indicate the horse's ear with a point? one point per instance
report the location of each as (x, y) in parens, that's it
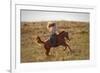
(37, 37)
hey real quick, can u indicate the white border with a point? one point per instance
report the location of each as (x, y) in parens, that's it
(16, 66)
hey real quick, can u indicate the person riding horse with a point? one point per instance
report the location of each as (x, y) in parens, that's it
(60, 40)
(53, 33)
(56, 39)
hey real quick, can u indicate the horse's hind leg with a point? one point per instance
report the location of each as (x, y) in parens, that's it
(47, 51)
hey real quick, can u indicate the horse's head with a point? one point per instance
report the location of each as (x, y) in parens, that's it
(65, 34)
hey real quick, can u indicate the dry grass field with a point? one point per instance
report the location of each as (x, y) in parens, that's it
(31, 51)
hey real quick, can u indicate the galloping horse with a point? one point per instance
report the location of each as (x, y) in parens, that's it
(60, 41)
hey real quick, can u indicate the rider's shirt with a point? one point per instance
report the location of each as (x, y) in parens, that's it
(52, 28)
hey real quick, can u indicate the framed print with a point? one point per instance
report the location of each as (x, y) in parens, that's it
(51, 37)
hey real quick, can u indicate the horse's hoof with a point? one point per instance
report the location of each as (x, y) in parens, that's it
(72, 51)
(69, 53)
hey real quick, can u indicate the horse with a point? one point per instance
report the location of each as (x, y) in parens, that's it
(61, 40)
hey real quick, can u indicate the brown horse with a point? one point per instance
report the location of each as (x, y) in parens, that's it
(60, 41)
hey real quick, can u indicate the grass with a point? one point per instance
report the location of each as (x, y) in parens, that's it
(31, 51)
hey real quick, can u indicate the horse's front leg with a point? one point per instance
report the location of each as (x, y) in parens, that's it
(69, 48)
(66, 45)
(65, 48)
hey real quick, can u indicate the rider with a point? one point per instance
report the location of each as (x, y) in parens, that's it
(53, 32)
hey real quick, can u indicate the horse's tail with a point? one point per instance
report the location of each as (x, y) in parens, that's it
(39, 40)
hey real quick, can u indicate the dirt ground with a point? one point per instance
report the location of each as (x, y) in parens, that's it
(31, 51)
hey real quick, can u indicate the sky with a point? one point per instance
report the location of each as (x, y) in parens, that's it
(31, 15)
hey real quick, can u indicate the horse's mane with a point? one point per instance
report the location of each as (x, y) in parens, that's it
(61, 32)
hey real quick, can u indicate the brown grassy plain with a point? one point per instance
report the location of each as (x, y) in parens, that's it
(31, 51)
